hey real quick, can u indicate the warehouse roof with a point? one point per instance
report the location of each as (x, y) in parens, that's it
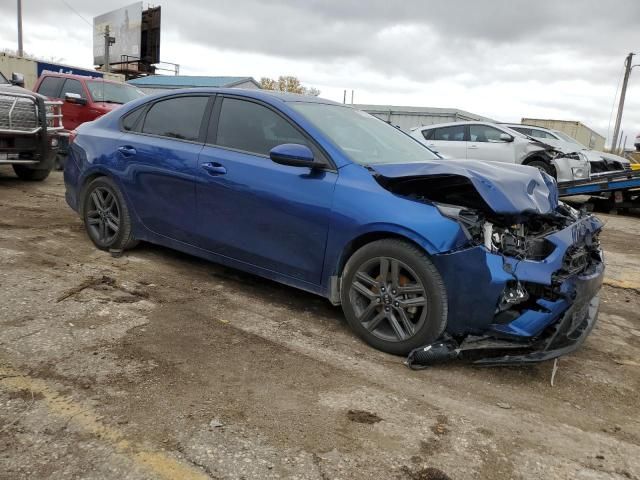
(189, 81)
(402, 110)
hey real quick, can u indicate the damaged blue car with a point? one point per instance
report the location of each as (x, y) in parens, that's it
(450, 255)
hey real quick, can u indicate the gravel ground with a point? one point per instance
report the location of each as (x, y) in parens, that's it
(161, 365)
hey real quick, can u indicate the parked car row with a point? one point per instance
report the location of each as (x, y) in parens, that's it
(416, 249)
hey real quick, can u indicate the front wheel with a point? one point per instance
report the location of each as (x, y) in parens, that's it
(543, 167)
(393, 297)
(106, 216)
(30, 174)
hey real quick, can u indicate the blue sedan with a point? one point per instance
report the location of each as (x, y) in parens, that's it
(328, 199)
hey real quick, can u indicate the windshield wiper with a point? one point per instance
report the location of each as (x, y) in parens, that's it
(111, 101)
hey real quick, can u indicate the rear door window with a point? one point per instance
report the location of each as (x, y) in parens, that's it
(450, 134)
(178, 117)
(50, 87)
(254, 128)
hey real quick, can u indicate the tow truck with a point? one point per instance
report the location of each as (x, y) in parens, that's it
(615, 190)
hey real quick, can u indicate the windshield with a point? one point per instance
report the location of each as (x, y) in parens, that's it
(363, 138)
(3, 79)
(567, 138)
(112, 92)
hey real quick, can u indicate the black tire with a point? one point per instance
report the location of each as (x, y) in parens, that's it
(106, 216)
(30, 174)
(543, 166)
(421, 324)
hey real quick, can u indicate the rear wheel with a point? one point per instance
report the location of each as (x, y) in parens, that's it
(30, 174)
(106, 216)
(393, 297)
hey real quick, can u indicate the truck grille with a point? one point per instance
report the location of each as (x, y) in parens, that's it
(18, 114)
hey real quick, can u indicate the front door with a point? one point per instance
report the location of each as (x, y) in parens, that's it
(485, 144)
(251, 209)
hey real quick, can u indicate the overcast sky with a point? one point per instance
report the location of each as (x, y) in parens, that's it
(504, 59)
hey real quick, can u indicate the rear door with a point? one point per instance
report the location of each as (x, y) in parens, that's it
(449, 141)
(159, 156)
(485, 144)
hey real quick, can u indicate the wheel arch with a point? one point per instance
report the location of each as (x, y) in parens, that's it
(540, 157)
(363, 239)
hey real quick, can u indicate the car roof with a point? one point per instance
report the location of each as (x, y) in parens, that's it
(452, 124)
(258, 94)
(47, 73)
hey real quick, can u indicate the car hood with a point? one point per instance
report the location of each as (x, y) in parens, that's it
(507, 189)
(597, 156)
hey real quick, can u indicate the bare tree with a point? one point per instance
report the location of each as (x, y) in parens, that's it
(288, 83)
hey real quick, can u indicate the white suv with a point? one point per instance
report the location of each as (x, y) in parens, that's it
(498, 143)
(601, 162)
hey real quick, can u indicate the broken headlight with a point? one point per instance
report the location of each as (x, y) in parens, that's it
(469, 220)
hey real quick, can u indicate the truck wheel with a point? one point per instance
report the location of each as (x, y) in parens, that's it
(30, 174)
(544, 167)
(393, 297)
(106, 216)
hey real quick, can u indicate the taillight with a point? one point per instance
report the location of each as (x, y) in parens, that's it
(72, 136)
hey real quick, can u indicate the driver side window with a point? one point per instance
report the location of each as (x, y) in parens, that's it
(254, 128)
(485, 134)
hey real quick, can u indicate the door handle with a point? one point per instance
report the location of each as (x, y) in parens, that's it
(127, 150)
(214, 168)
(473, 146)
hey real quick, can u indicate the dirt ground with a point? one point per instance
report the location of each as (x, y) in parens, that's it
(159, 365)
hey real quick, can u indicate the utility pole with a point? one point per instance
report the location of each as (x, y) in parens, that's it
(623, 92)
(344, 97)
(108, 41)
(20, 49)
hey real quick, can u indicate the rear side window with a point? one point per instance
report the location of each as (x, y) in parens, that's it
(130, 121)
(50, 86)
(178, 117)
(73, 86)
(427, 134)
(251, 127)
(451, 134)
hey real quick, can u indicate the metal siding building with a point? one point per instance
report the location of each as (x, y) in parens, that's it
(407, 118)
(160, 83)
(577, 130)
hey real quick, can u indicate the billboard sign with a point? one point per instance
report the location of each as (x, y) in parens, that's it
(125, 26)
(54, 67)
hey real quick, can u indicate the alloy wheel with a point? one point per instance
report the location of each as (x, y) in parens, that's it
(103, 215)
(388, 299)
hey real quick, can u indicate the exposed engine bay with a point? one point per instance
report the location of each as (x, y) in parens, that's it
(519, 236)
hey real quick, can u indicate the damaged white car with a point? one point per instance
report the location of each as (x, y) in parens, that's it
(498, 143)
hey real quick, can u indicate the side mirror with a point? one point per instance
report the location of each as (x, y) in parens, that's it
(505, 137)
(75, 98)
(292, 154)
(17, 79)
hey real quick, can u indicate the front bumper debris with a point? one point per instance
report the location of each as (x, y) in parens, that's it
(552, 319)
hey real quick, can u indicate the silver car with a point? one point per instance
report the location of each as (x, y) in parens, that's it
(498, 143)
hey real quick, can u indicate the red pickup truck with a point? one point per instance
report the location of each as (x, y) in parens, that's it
(84, 98)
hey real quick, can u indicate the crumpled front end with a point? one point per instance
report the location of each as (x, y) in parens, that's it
(529, 287)
(527, 277)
